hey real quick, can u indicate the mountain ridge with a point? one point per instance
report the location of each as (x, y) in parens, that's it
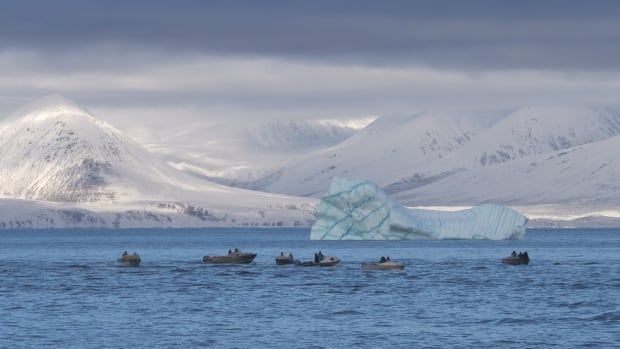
(387, 144)
(61, 153)
(523, 133)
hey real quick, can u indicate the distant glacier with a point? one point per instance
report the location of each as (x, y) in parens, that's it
(360, 210)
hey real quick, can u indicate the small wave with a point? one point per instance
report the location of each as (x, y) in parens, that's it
(609, 316)
(571, 305)
(336, 291)
(94, 278)
(505, 342)
(180, 270)
(125, 266)
(486, 321)
(599, 344)
(580, 286)
(313, 284)
(356, 288)
(507, 321)
(346, 312)
(78, 266)
(282, 275)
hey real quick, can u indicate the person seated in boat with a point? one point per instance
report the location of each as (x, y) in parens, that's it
(514, 254)
(316, 257)
(382, 260)
(281, 253)
(135, 253)
(520, 256)
(525, 256)
(290, 255)
(229, 252)
(321, 256)
(236, 249)
(125, 253)
(387, 259)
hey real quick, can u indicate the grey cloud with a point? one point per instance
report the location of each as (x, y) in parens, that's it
(446, 34)
(261, 86)
(147, 62)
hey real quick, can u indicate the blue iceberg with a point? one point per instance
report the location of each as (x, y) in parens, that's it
(360, 210)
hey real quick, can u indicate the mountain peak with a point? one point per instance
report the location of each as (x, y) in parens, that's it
(52, 107)
(58, 151)
(58, 112)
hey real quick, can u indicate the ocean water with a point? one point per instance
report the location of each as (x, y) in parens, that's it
(64, 289)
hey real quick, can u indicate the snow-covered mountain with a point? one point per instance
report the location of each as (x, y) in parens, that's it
(403, 153)
(523, 133)
(238, 153)
(587, 175)
(551, 162)
(60, 156)
(61, 153)
(61, 167)
(387, 147)
(536, 130)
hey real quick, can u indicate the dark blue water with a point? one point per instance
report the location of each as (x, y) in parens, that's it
(64, 289)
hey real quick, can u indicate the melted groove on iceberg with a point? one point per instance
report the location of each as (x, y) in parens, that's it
(360, 210)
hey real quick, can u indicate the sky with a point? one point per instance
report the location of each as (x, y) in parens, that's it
(148, 64)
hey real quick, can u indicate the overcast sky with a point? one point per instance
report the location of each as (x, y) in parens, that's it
(153, 62)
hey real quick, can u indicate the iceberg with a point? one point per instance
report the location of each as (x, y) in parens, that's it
(360, 210)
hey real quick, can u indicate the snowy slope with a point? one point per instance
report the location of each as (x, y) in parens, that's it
(550, 162)
(58, 152)
(536, 130)
(61, 153)
(31, 214)
(525, 132)
(388, 146)
(28, 214)
(237, 153)
(586, 176)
